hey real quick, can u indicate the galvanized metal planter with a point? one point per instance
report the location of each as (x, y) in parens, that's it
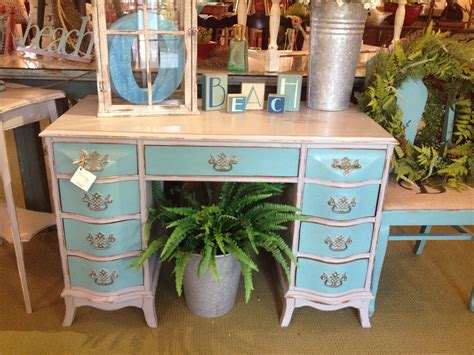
(336, 38)
(204, 296)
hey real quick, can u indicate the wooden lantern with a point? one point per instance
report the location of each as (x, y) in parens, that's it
(146, 56)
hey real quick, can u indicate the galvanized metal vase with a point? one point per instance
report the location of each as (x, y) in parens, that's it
(336, 38)
(204, 296)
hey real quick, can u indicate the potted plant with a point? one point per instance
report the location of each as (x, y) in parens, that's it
(212, 244)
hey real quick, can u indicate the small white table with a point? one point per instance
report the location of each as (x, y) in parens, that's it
(21, 105)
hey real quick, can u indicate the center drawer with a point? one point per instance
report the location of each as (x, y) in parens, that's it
(216, 161)
(331, 278)
(103, 239)
(102, 200)
(335, 242)
(103, 275)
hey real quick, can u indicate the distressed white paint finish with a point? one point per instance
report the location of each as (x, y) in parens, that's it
(305, 126)
(303, 130)
(21, 105)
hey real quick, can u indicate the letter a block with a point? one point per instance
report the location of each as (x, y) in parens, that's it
(236, 103)
(255, 93)
(276, 103)
(290, 87)
(214, 91)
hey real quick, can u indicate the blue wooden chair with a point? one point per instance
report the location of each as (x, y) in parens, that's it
(409, 207)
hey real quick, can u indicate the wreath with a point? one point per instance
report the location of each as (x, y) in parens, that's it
(445, 64)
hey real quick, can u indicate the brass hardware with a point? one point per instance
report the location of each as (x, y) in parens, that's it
(99, 241)
(334, 280)
(92, 162)
(346, 165)
(222, 163)
(342, 206)
(338, 244)
(103, 277)
(96, 202)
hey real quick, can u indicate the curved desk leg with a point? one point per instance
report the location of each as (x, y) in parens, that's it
(70, 311)
(287, 313)
(149, 312)
(378, 262)
(364, 314)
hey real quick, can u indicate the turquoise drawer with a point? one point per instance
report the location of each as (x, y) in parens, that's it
(335, 242)
(345, 165)
(340, 203)
(216, 161)
(102, 200)
(103, 275)
(102, 239)
(100, 159)
(331, 278)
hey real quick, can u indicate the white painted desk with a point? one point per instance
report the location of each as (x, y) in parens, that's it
(338, 161)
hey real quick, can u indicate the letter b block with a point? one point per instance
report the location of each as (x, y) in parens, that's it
(276, 103)
(236, 103)
(214, 91)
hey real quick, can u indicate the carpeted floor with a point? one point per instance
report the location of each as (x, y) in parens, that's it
(422, 307)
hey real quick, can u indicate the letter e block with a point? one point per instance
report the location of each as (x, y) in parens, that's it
(236, 103)
(290, 86)
(276, 103)
(214, 91)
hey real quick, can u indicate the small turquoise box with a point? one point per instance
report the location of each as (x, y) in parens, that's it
(214, 91)
(236, 103)
(276, 103)
(290, 87)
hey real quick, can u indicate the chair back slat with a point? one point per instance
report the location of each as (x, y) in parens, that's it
(412, 98)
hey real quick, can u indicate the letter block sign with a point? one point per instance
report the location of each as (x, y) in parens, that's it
(146, 57)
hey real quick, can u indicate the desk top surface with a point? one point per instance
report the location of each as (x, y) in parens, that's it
(305, 126)
(16, 96)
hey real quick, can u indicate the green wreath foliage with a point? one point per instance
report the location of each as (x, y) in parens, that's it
(445, 63)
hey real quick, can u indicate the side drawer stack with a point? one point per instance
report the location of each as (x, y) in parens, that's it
(101, 227)
(338, 191)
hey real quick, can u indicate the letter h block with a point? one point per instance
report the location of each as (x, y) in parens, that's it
(214, 91)
(290, 87)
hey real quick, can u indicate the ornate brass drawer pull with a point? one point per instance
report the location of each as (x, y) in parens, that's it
(334, 280)
(92, 162)
(342, 206)
(96, 202)
(346, 165)
(99, 241)
(338, 244)
(222, 163)
(103, 277)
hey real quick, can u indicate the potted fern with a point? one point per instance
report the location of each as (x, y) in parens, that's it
(212, 244)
